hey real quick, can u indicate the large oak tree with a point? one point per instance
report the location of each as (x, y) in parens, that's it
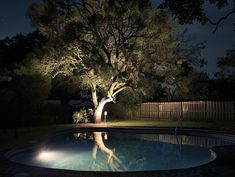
(111, 47)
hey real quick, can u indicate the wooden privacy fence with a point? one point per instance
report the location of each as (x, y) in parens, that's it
(193, 110)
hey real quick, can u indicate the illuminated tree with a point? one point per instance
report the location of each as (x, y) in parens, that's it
(111, 46)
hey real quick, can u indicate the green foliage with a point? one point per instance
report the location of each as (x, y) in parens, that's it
(228, 60)
(22, 94)
(47, 15)
(54, 58)
(194, 86)
(109, 47)
(14, 50)
(82, 116)
(122, 40)
(32, 89)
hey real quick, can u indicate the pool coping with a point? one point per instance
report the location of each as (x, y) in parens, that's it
(220, 167)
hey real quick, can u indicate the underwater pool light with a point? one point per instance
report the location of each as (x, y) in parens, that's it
(48, 155)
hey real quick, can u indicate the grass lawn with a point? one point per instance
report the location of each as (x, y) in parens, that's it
(216, 125)
(34, 135)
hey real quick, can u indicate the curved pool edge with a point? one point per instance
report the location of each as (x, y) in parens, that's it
(223, 160)
(212, 169)
(165, 130)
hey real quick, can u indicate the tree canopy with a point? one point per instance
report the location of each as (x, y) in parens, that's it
(228, 60)
(111, 46)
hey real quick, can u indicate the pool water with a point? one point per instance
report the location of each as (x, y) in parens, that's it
(106, 151)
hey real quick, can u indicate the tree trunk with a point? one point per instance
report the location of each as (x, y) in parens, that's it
(99, 143)
(113, 161)
(98, 110)
(94, 97)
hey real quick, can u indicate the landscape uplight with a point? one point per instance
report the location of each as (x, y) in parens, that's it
(105, 115)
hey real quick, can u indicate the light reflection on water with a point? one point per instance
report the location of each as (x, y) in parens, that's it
(120, 152)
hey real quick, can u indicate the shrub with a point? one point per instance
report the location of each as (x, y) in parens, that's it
(82, 116)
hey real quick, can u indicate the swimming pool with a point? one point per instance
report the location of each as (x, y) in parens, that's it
(123, 150)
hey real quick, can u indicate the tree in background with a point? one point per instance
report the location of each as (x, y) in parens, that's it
(189, 11)
(14, 50)
(21, 95)
(31, 91)
(177, 81)
(223, 85)
(227, 63)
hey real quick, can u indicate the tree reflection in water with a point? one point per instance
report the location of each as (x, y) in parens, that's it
(113, 162)
(88, 151)
(138, 152)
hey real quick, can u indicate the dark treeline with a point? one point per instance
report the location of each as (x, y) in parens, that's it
(22, 96)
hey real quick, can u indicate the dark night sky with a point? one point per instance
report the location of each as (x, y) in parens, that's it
(13, 20)
(13, 17)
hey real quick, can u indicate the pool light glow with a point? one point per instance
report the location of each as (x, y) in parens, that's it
(46, 156)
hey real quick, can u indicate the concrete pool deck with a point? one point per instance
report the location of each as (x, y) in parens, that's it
(222, 166)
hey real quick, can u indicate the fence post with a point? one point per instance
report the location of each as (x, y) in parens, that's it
(205, 114)
(158, 110)
(233, 111)
(181, 114)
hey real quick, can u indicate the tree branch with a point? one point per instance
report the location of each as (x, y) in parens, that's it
(111, 89)
(216, 24)
(119, 90)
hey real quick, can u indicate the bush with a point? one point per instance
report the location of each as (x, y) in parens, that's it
(82, 116)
